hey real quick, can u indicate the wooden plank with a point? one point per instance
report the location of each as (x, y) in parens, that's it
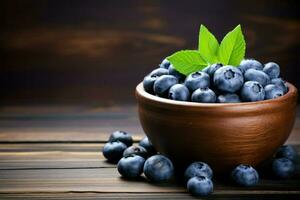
(221, 195)
(108, 180)
(76, 124)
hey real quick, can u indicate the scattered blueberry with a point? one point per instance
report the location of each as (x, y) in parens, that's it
(250, 64)
(174, 72)
(287, 151)
(158, 168)
(204, 95)
(131, 166)
(147, 144)
(273, 91)
(113, 151)
(280, 83)
(252, 91)
(283, 168)
(228, 98)
(210, 70)
(272, 69)
(179, 92)
(245, 175)
(135, 150)
(165, 64)
(197, 80)
(198, 169)
(121, 136)
(228, 79)
(200, 186)
(258, 76)
(163, 83)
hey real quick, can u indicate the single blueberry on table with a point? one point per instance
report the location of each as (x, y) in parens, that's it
(245, 175)
(158, 168)
(283, 168)
(147, 144)
(174, 72)
(159, 72)
(258, 76)
(198, 169)
(287, 151)
(113, 151)
(165, 64)
(121, 136)
(273, 91)
(250, 64)
(272, 69)
(135, 150)
(228, 98)
(131, 166)
(179, 92)
(204, 95)
(163, 83)
(252, 91)
(228, 79)
(148, 83)
(200, 186)
(280, 83)
(197, 80)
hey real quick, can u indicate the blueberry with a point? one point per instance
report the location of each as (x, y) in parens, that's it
(252, 91)
(131, 166)
(197, 80)
(228, 98)
(272, 69)
(198, 169)
(257, 75)
(245, 175)
(121, 136)
(146, 143)
(165, 64)
(228, 79)
(204, 95)
(113, 151)
(179, 92)
(135, 150)
(280, 83)
(250, 64)
(200, 186)
(210, 70)
(148, 83)
(158, 168)
(287, 151)
(163, 83)
(273, 91)
(174, 72)
(283, 168)
(159, 72)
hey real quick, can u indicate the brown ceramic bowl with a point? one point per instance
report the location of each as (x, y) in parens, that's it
(223, 135)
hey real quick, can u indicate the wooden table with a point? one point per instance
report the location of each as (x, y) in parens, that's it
(55, 153)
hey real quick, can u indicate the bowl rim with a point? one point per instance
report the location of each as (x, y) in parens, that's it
(140, 92)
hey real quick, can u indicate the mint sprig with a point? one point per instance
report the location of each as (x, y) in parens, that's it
(231, 51)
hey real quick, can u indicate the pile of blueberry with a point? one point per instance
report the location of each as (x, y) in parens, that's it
(133, 161)
(250, 81)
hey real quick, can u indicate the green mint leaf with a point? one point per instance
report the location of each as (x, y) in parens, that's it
(187, 61)
(208, 45)
(232, 48)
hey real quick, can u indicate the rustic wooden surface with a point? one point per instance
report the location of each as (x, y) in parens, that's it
(55, 153)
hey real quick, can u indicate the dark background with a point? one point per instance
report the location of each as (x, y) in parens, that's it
(95, 52)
